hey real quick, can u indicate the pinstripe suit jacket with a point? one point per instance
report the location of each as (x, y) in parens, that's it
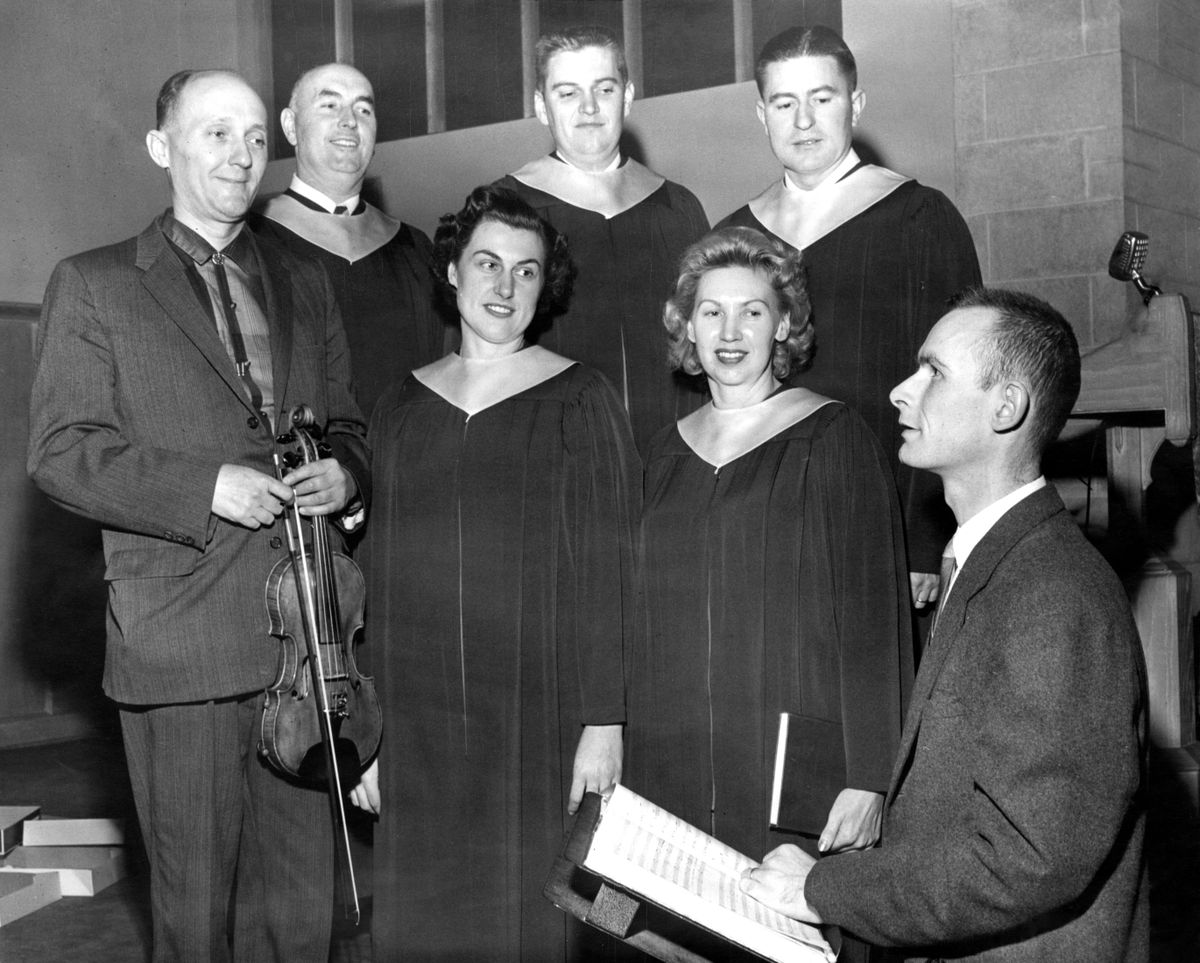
(135, 406)
(1014, 823)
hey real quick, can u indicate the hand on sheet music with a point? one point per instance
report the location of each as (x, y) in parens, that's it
(924, 586)
(597, 763)
(366, 794)
(778, 882)
(854, 822)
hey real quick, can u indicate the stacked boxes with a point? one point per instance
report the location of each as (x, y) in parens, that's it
(45, 858)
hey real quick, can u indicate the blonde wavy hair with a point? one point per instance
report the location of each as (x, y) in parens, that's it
(748, 248)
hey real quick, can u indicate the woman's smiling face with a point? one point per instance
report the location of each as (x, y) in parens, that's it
(499, 277)
(735, 324)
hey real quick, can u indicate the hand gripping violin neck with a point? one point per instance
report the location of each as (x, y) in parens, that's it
(320, 721)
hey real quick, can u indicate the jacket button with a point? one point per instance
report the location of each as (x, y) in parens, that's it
(276, 541)
(252, 422)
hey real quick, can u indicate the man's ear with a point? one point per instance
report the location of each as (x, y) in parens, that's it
(287, 121)
(1012, 408)
(158, 149)
(761, 109)
(858, 100)
(628, 98)
(539, 108)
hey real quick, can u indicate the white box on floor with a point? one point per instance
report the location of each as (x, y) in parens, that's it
(22, 893)
(53, 831)
(12, 823)
(82, 870)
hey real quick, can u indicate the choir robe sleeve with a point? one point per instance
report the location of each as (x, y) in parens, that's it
(853, 504)
(601, 505)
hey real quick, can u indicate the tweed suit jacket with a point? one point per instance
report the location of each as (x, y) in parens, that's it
(135, 406)
(1014, 823)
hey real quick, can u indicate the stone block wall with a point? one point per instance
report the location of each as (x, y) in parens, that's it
(1076, 120)
(1039, 130)
(1160, 73)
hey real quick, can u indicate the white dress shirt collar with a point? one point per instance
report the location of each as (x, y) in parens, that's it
(616, 162)
(844, 166)
(326, 202)
(971, 532)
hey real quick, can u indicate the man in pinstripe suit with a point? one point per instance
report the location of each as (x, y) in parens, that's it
(164, 363)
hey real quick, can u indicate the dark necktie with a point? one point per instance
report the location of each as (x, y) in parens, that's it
(945, 577)
(340, 210)
(236, 341)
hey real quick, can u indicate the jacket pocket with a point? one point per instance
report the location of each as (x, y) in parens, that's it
(158, 561)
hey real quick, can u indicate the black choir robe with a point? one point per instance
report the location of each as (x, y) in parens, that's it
(382, 277)
(772, 583)
(877, 283)
(627, 263)
(499, 566)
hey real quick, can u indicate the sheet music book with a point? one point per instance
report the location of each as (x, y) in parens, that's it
(810, 771)
(650, 853)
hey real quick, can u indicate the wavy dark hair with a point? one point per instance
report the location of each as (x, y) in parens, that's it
(748, 248)
(814, 41)
(504, 206)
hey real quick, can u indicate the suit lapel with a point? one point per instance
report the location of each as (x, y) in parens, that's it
(972, 578)
(280, 314)
(165, 278)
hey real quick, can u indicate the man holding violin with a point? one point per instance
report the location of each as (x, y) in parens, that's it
(164, 364)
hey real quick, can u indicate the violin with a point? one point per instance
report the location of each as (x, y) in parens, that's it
(320, 721)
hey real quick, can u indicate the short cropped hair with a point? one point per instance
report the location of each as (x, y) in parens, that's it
(504, 206)
(1032, 341)
(748, 248)
(170, 93)
(577, 38)
(814, 41)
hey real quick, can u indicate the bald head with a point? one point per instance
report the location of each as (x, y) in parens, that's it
(171, 91)
(212, 141)
(330, 120)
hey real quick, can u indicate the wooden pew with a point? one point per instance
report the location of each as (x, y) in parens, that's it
(1142, 388)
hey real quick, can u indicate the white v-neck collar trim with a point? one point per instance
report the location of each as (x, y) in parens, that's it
(475, 384)
(720, 436)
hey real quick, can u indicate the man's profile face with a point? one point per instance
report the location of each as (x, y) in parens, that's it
(809, 113)
(584, 104)
(332, 125)
(215, 147)
(945, 416)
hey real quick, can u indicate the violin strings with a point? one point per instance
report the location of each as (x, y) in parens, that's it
(328, 618)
